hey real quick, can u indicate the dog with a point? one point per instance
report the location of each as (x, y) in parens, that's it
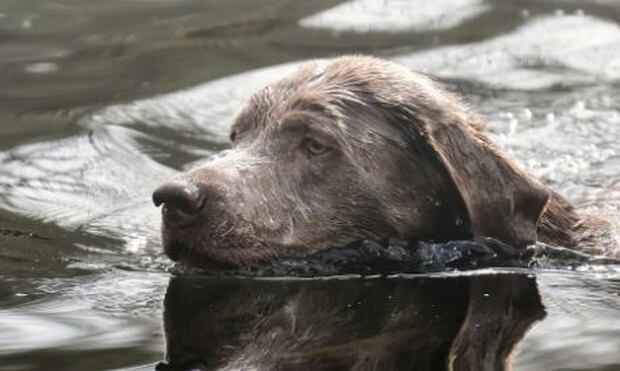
(359, 148)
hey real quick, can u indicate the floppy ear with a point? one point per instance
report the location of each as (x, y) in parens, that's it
(502, 201)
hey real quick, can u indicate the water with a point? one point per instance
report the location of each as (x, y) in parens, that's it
(101, 101)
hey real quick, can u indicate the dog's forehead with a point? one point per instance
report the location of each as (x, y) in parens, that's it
(344, 89)
(320, 86)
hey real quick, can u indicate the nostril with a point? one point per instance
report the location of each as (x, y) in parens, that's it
(181, 195)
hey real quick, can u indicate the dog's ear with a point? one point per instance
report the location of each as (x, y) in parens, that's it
(502, 201)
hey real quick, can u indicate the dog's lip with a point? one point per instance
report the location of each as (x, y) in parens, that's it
(175, 250)
(211, 256)
(182, 253)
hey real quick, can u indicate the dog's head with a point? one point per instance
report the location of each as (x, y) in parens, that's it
(344, 150)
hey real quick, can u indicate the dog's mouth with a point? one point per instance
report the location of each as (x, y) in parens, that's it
(187, 259)
(216, 252)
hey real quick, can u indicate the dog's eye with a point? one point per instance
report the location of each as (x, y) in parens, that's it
(314, 148)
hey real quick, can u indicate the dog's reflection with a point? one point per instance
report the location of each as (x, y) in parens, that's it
(420, 323)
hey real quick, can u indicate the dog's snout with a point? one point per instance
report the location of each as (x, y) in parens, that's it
(181, 201)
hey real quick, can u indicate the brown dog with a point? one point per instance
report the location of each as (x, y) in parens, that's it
(355, 148)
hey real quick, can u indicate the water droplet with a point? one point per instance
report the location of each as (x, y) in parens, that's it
(579, 106)
(525, 114)
(512, 126)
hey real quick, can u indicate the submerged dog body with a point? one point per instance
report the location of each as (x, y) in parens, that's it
(356, 148)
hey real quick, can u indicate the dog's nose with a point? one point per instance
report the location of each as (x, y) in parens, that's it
(182, 201)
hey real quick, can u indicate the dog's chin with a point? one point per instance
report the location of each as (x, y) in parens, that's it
(218, 255)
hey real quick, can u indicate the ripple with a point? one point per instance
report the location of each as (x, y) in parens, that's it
(99, 182)
(547, 51)
(584, 309)
(206, 109)
(395, 15)
(42, 68)
(109, 312)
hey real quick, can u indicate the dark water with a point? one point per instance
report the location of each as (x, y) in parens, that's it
(102, 100)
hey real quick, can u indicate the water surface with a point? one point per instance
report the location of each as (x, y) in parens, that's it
(101, 101)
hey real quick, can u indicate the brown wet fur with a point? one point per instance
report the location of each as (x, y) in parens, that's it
(404, 158)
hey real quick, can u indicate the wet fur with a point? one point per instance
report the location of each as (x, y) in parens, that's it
(409, 160)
